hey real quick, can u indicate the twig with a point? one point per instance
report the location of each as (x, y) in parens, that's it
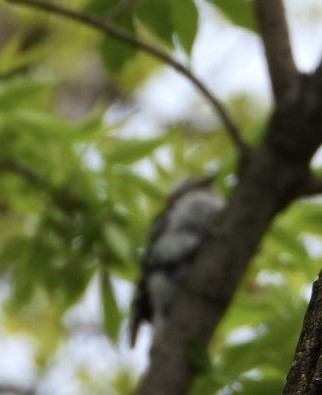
(122, 35)
(60, 197)
(24, 172)
(282, 69)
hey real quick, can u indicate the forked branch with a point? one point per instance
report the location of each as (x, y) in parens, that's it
(281, 65)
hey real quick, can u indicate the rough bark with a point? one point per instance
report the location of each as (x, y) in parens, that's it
(305, 376)
(282, 69)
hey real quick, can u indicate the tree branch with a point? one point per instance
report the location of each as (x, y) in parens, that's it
(313, 187)
(305, 376)
(15, 390)
(318, 74)
(282, 69)
(113, 31)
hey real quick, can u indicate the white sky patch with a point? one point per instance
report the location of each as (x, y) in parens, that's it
(137, 358)
(141, 123)
(230, 59)
(306, 292)
(167, 97)
(91, 157)
(88, 311)
(304, 19)
(313, 245)
(80, 353)
(145, 168)
(84, 320)
(230, 389)
(15, 363)
(118, 113)
(316, 161)
(266, 277)
(123, 292)
(254, 374)
(244, 334)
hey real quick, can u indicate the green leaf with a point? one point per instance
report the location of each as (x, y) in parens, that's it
(42, 124)
(30, 270)
(308, 218)
(185, 21)
(281, 240)
(112, 314)
(208, 383)
(115, 53)
(118, 241)
(156, 16)
(263, 386)
(21, 91)
(275, 340)
(149, 188)
(91, 127)
(130, 151)
(13, 250)
(12, 57)
(240, 12)
(100, 6)
(65, 285)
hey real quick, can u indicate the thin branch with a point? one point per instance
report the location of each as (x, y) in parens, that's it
(59, 196)
(275, 35)
(24, 172)
(122, 35)
(13, 389)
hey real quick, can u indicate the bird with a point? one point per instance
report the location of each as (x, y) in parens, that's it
(172, 243)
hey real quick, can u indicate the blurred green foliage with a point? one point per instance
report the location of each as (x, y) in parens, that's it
(240, 12)
(64, 220)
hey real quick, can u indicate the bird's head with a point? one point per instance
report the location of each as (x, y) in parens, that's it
(191, 185)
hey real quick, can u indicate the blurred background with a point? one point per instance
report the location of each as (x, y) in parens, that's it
(93, 135)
